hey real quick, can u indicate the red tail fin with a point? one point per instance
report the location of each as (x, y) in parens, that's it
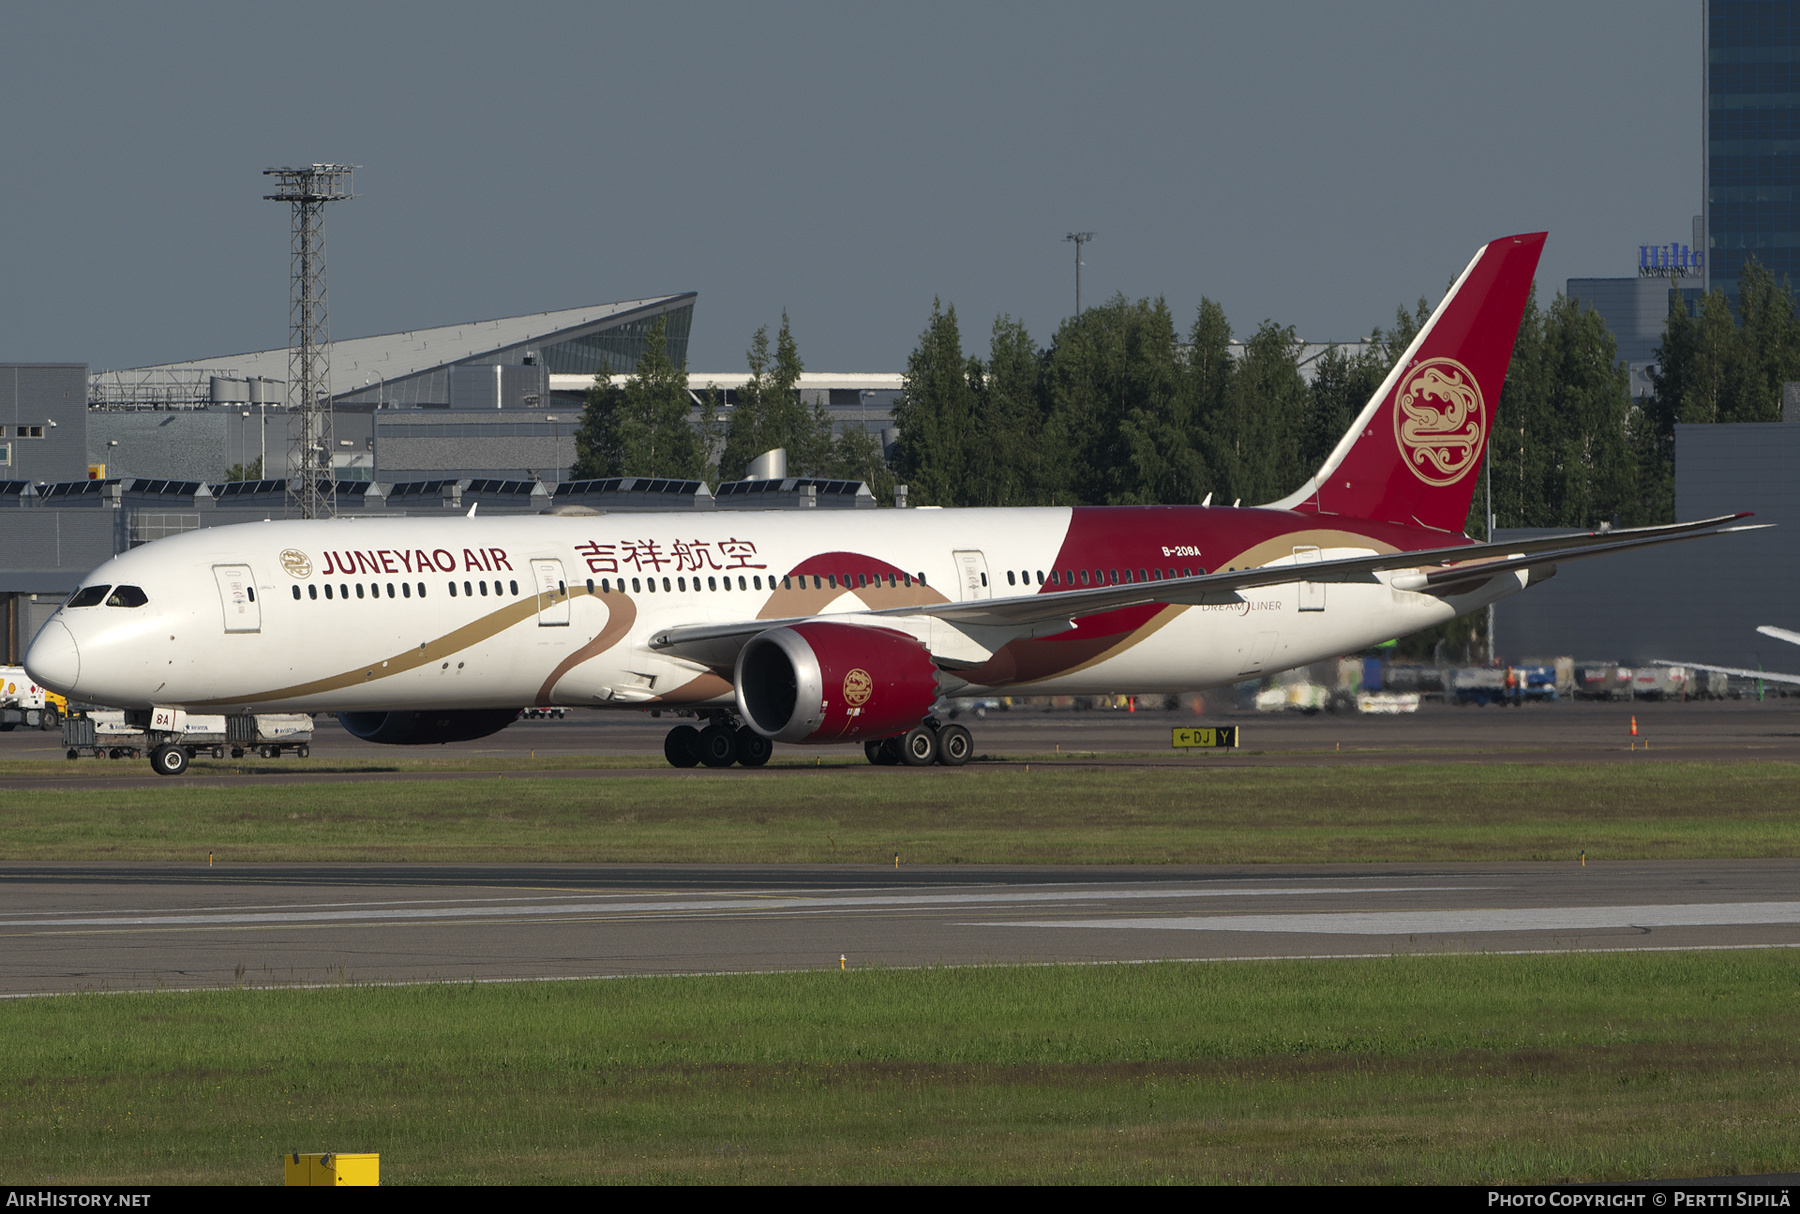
(1413, 454)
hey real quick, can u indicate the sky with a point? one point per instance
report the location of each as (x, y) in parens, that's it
(1312, 164)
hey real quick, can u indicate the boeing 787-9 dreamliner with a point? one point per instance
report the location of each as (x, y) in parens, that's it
(816, 627)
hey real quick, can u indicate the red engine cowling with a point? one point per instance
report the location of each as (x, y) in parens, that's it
(819, 682)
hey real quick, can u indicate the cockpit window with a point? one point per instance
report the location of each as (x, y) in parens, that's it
(87, 596)
(127, 596)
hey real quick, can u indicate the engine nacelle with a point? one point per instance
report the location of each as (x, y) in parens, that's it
(427, 727)
(820, 682)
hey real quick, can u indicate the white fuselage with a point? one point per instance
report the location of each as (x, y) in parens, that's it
(393, 614)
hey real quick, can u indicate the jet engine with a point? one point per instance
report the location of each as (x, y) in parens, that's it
(822, 682)
(429, 727)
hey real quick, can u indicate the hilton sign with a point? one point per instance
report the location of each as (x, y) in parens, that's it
(1670, 261)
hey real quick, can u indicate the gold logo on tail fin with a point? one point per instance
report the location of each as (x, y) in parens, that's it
(1439, 420)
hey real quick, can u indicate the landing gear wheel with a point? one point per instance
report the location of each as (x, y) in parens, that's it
(682, 747)
(919, 747)
(168, 760)
(718, 745)
(753, 750)
(883, 752)
(955, 746)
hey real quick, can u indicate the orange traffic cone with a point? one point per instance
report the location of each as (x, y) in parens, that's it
(1634, 727)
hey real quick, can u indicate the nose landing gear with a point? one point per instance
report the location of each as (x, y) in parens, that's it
(168, 760)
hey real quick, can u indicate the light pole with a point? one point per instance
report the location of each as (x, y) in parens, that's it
(1078, 239)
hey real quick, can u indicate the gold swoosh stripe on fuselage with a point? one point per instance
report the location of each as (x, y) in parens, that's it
(475, 631)
(621, 615)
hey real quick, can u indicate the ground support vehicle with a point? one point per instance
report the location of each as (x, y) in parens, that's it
(174, 739)
(24, 702)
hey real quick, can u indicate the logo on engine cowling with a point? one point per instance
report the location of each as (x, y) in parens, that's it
(1439, 420)
(296, 562)
(858, 687)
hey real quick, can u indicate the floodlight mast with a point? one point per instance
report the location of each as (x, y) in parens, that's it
(312, 489)
(1079, 239)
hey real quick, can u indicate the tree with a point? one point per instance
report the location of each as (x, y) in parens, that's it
(645, 427)
(1008, 455)
(1265, 416)
(1115, 398)
(769, 412)
(252, 471)
(934, 413)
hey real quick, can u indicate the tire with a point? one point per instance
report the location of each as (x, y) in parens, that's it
(682, 746)
(49, 720)
(305, 752)
(168, 760)
(753, 750)
(955, 746)
(883, 752)
(9, 727)
(718, 745)
(873, 750)
(74, 754)
(918, 747)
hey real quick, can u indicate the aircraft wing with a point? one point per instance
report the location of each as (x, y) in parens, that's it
(1441, 570)
(1780, 634)
(1767, 676)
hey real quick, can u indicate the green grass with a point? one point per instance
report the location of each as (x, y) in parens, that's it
(1211, 813)
(1484, 1070)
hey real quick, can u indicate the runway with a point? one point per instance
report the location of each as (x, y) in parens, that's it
(104, 927)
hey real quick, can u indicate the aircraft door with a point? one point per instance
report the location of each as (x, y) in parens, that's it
(971, 567)
(552, 593)
(1312, 594)
(237, 597)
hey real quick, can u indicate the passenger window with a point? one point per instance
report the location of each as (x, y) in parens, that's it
(921, 579)
(681, 583)
(405, 591)
(1040, 574)
(327, 589)
(590, 585)
(312, 592)
(132, 596)
(421, 589)
(1142, 576)
(249, 590)
(635, 589)
(343, 591)
(452, 589)
(665, 585)
(1009, 578)
(88, 596)
(483, 586)
(296, 593)
(513, 585)
(711, 584)
(984, 579)
(359, 590)
(1084, 577)
(757, 579)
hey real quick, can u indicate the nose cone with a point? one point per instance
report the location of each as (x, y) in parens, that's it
(53, 659)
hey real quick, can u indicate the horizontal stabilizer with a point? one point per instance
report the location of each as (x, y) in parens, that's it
(1767, 676)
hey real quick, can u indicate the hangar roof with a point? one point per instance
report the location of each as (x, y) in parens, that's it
(393, 355)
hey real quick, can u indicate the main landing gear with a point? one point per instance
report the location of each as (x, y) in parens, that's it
(719, 744)
(925, 744)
